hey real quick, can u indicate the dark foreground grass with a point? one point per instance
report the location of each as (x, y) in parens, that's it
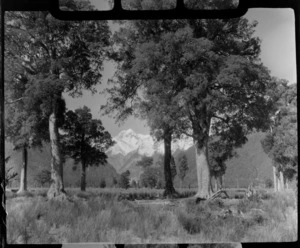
(93, 217)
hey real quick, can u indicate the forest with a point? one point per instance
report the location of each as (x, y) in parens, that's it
(200, 79)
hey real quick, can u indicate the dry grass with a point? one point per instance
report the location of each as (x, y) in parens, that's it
(94, 217)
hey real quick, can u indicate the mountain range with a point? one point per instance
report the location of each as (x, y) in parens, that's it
(130, 147)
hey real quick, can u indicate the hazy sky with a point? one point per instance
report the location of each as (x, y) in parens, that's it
(275, 28)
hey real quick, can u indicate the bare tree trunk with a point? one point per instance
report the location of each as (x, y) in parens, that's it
(23, 177)
(215, 183)
(275, 179)
(57, 186)
(203, 172)
(281, 181)
(83, 176)
(286, 185)
(169, 188)
(221, 181)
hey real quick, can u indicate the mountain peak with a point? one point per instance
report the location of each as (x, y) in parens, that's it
(125, 133)
(128, 141)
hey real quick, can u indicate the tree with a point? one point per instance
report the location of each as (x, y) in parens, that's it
(102, 183)
(60, 57)
(24, 129)
(114, 182)
(152, 177)
(173, 168)
(268, 183)
(219, 151)
(133, 184)
(124, 180)
(145, 162)
(85, 140)
(183, 167)
(43, 177)
(10, 174)
(213, 82)
(281, 142)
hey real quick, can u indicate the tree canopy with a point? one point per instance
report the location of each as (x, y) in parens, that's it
(85, 139)
(58, 57)
(281, 142)
(145, 162)
(196, 76)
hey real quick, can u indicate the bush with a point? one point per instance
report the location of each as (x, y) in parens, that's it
(124, 180)
(268, 183)
(43, 177)
(102, 184)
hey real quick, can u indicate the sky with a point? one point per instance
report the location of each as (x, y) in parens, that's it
(275, 28)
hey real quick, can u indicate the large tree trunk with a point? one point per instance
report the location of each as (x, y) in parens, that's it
(23, 177)
(281, 181)
(83, 176)
(57, 186)
(221, 181)
(275, 179)
(170, 191)
(203, 172)
(286, 185)
(215, 183)
(218, 182)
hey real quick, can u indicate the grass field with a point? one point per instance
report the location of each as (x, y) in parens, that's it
(111, 215)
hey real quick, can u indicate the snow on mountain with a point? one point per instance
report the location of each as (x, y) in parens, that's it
(128, 141)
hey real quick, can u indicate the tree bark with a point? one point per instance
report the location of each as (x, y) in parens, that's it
(83, 176)
(169, 191)
(275, 179)
(203, 172)
(214, 183)
(221, 181)
(23, 177)
(281, 180)
(57, 187)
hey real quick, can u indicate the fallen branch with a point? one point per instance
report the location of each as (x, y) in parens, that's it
(218, 194)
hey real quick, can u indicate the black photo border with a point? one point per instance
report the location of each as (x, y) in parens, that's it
(117, 13)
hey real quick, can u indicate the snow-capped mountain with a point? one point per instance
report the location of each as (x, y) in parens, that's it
(128, 141)
(131, 146)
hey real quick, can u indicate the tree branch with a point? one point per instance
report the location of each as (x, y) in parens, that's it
(220, 118)
(13, 101)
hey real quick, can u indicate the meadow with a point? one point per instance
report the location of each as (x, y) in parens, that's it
(114, 216)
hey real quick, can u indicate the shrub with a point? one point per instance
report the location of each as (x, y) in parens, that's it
(124, 180)
(43, 177)
(102, 183)
(268, 183)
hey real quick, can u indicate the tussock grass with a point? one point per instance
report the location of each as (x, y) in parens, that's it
(106, 217)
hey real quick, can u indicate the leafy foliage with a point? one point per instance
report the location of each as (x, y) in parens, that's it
(192, 77)
(152, 177)
(183, 166)
(219, 151)
(43, 177)
(173, 168)
(281, 143)
(145, 162)
(102, 183)
(85, 139)
(124, 181)
(57, 57)
(10, 174)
